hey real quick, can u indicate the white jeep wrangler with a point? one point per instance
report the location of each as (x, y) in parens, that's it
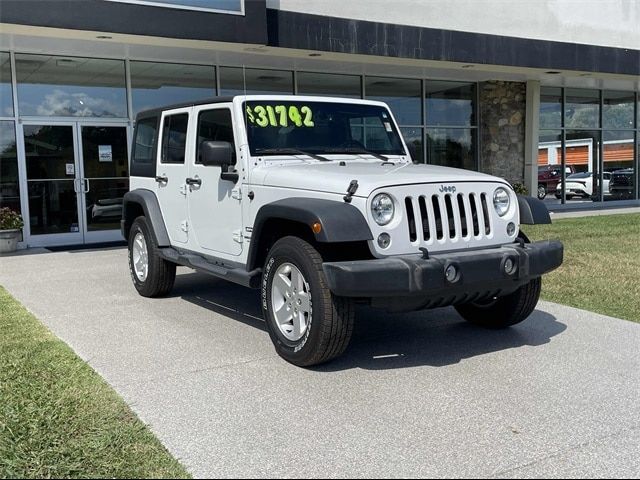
(316, 201)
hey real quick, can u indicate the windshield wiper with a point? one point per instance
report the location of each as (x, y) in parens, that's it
(291, 151)
(364, 151)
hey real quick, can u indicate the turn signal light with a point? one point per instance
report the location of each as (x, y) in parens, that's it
(316, 227)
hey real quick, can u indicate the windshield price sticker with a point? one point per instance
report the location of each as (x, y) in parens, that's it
(280, 116)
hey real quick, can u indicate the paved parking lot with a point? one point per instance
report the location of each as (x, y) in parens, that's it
(423, 394)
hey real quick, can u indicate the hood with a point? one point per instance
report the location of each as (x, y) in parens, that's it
(371, 175)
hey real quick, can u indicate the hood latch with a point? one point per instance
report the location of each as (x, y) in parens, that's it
(353, 188)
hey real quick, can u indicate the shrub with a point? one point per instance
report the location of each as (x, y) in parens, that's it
(520, 189)
(10, 220)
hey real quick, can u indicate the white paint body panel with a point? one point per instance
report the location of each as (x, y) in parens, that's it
(214, 215)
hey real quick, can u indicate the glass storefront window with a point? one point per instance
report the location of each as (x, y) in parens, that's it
(277, 82)
(6, 98)
(618, 155)
(451, 147)
(582, 109)
(402, 96)
(158, 84)
(449, 103)
(9, 186)
(413, 137)
(71, 86)
(550, 107)
(549, 166)
(327, 84)
(583, 155)
(617, 110)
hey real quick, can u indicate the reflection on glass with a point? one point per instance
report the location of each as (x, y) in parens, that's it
(583, 155)
(9, 186)
(402, 96)
(582, 109)
(618, 155)
(449, 103)
(277, 82)
(451, 147)
(327, 84)
(550, 166)
(104, 203)
(70, 86)
(52, 207)
(6, 98)
(104, 152)
(158, 84)
(50, 151)
(550, 107)
(617, 109)
(413, 138)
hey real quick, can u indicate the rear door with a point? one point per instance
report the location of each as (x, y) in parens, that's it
(172, 171)
(214, 204)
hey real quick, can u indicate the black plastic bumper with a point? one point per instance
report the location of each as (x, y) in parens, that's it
(478, 272)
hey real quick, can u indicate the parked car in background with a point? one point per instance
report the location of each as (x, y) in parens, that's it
(581, 185)
(622, 186)
(549, 176)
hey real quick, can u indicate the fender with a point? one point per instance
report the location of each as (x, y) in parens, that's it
(533, 211)
(151, 208)
(340, 221)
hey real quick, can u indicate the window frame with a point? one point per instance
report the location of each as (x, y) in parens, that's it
(163, 140)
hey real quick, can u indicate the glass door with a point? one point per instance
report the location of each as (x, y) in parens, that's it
(104, 168)
(53, 184)
(77, 175)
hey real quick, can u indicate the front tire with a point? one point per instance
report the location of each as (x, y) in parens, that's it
(504, 311)
(306, 322)
(152, 275)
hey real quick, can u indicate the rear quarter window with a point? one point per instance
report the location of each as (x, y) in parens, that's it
(145, 145)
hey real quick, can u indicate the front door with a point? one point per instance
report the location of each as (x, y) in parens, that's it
(76, 177)
(214, 205)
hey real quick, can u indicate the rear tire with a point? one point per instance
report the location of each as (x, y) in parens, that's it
(152, 275)
(542, 192)
(504, 311)
(306, 322)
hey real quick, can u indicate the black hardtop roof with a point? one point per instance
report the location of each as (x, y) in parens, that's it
(154, 112)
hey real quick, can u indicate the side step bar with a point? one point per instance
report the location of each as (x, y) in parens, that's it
(236, 275)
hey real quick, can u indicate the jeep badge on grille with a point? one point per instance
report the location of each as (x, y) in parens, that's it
(445, 189)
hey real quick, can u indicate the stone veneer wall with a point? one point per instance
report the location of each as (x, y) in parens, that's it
(502, 115)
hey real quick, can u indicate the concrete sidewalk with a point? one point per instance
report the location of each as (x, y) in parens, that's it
(423, 394)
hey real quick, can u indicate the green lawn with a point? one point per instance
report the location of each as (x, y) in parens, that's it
(601, 270)
(58, 418)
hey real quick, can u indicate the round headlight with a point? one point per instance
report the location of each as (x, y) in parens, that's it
(501, 201)
(382, 208)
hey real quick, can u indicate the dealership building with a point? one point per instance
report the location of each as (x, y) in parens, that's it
(534, 91)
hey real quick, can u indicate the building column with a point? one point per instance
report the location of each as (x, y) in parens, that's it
(531, 136)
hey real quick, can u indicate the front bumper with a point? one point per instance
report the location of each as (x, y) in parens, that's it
(480, 273)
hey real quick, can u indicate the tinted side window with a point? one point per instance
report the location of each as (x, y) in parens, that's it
(215, 125)
(143, 161)
(174, 138)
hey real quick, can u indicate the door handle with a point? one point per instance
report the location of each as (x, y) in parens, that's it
(194, 181)
(88, 186)
(162, 179)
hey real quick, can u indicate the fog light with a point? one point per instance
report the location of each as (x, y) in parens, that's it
(384, 240)
(511, 229)
(509, 266)
(451, 273)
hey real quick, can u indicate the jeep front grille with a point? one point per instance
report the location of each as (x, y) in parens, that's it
(447, 217)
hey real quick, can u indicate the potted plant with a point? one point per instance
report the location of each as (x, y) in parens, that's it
(10, 229)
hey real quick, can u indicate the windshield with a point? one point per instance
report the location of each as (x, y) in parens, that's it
(289, 127)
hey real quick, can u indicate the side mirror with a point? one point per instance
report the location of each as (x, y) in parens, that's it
(218, 154)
